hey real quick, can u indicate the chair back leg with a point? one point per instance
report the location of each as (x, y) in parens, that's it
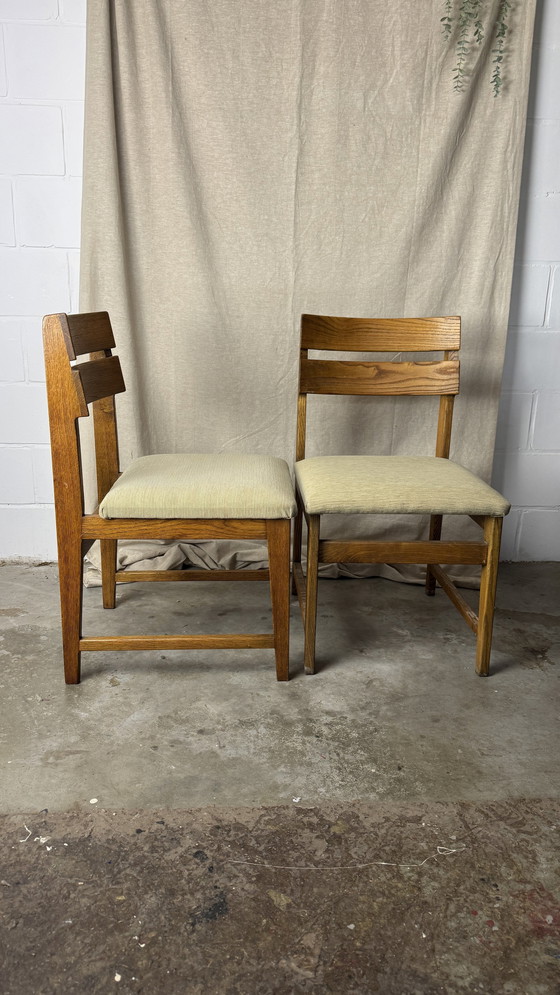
(70, 567)
(488, 581)
(108, 571)
(435, 533)
(296, 557)
(278, 538)
(312, 579)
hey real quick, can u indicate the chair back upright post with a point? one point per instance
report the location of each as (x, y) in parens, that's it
(443, 445)
(445, 415)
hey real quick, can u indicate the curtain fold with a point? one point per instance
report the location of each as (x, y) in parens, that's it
(246, 162)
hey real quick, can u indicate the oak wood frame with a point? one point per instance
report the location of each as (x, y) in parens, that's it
(70, 388)
(441, 334)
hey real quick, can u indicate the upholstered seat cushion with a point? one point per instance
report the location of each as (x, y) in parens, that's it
(394, 485)
(222, 485)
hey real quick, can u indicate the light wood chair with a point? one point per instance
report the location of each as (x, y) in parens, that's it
(432, 485)
(181, 497)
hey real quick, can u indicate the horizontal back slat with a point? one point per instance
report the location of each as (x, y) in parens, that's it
(85, 333)
(320, 376)
(99, 378)
(380, 334)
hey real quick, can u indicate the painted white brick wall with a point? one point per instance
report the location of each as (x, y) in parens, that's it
(42, 55)
(42, 59)
(527, 461)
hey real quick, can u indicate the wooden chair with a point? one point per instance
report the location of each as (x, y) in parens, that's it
(181, 497)
(432, 486)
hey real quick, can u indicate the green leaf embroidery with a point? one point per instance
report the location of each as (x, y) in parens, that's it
(465, 20)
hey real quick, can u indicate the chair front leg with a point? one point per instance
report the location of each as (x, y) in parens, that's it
(488, 582)
(108, 571)
(312, 579)
(278, 537)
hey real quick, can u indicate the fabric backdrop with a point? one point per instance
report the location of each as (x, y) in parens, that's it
(247, 161)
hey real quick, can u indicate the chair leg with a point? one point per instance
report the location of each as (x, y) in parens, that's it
(70, 565)
(435, 533)
(488, 581)
(313, 530)
(108, 571)
(296, 555)
(278, 536)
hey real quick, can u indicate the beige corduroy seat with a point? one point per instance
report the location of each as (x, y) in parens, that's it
(392, 485)
(202, 485)
(183, 498)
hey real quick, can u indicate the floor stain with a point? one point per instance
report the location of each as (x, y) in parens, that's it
(217, 909)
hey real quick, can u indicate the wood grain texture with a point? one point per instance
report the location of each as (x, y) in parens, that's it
(107, 472)
(106, 443)
(488, 582)
(464, 609)
(364, 551)
(95, 527)
(70, 579)
(85, 333)
(323, 376)
(172, 576)
(99, 378)
(278, 537)
(445, 423)
(462, 606)
(380, 334)
(198, 642)
(301, 419)
(64, 408)
(311, 591)
(436, 522)
(108, 549)
(300, 588)
(297, 540)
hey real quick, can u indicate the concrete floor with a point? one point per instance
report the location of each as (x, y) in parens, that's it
(395, 712)
(390, 898)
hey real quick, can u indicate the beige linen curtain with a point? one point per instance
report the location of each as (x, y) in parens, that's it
(250, 160)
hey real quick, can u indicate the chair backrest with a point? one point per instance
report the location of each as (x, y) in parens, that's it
(72, 386)
(396, 377)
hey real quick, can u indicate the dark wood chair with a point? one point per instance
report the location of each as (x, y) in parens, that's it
(176, 497)
(419, 485)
